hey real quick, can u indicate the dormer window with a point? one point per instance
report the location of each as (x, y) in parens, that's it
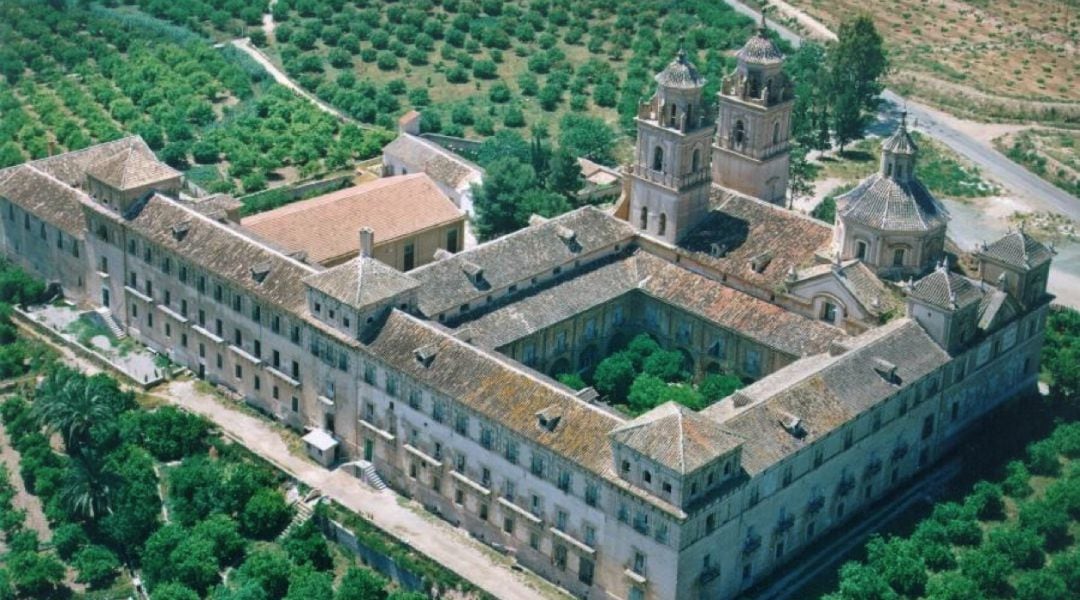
(425, 355)
(549, 418)
(180, 230)
(646, 476)
(260, 271)
(625, 466)
(886, 370)
(474, 272)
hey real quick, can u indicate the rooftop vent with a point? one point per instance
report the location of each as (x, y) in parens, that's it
(792, 424)
(886, 370)
(180, 230)
(565, 233)
(443, 254)
(473, 271)
(588, 394)
(425, 354)
(761, 262)
(549, 418)
(260, 271)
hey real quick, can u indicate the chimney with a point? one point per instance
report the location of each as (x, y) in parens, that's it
(367, 241)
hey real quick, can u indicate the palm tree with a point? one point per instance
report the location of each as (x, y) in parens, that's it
(67, 403)
(88, 485)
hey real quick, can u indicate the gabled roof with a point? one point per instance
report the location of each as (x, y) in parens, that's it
(131, 168)
(886, 204)
(536, 250)
(677, 437)
(46, 197)
(220, 250)
(1018, 249)
(443, 166)
(326, 227)
(361, 282)
(71, 167)
(871, 293)
(945, 289)
(680, 73)
(824, 392)
(743, 229)
(760, 50)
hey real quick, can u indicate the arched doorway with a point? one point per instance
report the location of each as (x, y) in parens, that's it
(559, 367)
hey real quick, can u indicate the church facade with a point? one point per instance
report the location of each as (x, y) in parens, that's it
(865, 369)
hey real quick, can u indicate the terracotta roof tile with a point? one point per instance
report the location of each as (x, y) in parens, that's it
(131, 168)
(46, 197)
(677, 437)
(886, 204)
(442, 165)
(362, 282)
(1018, 249)
(326, 226)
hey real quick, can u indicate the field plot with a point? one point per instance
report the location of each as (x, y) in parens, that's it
(989, 56)
(1052, 154)
(78, 77)
(474, 67)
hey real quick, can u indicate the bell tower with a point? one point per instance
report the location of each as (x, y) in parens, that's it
(669, 179)
(753, 131)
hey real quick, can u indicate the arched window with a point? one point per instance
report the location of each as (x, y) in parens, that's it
(644, 218)
(646, 476)
(776, 133)
(860, 250)
(663, 224)
(658, 159)
(898, 257)
(738, 133)
(671, 115)
(899, 171)
(695, 161)
(888, 170)
(689, 116)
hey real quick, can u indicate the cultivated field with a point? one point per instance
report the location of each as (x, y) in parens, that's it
(1007, 58)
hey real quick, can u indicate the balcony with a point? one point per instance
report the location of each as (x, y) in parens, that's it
(673, 181)
(785, 524)
(535, 520)
(418, 453)
(709, 573)
(845, 486)
(476, 486)
(374, 428)
(282, 376)
(179, 318)
(815, 505)
(638, 578)
(137, 294)
(237, 350)
(566, 537)
(207, 334)
(751, 544)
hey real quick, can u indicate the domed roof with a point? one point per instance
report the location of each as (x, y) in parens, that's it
(900, 141)
(760, 50)
(886, 204)
(680, 73)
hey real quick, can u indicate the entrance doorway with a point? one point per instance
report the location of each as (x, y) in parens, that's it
(369, 450)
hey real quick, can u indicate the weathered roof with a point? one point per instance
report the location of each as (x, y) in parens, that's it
(995, 309)
(823, 392)
(131, 168)
(1018, 249)
(760, 50)
(535, 250)
(46, 197)
(320, 439)
(442, 165)
(71, 167)
(945, 289)
(900, 142)
(361, 282)
(680, 73)
(755, 319)
(221, 250)
(871, 293)
(743, 231)
(677, 437)
(326, 227)
(887, 204)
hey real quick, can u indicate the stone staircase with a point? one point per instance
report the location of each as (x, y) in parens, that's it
(305, 509)
(369, 475)
(110, 323)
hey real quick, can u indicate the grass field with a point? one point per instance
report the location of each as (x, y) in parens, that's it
(1052, 154)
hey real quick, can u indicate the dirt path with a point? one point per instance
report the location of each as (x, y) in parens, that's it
(24, 500)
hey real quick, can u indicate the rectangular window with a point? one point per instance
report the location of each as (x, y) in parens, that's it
(592, 494)
(295, 404)
(511, 453)
(239, 371)
(452, 240)
(409, 257)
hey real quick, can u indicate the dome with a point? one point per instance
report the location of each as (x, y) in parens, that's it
(760, 50)
(680, 73)
(889, 205)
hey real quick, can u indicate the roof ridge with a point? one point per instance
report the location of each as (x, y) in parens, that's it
(58, 181)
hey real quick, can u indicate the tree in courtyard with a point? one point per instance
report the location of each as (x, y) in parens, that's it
(614, 376)
(717, 386)
(666, 365)
(88, 486)
(648, 392)
(540, 202)
(361, 584)
(565, 176)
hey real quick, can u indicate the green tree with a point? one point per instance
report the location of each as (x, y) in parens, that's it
(136, 507)
(989, 570)
(361, 584)
(860, 582)
(540, 202)
(10, 154)
(270, 568)
(648, 392)
(306, 545)
(194, 563)
(1067, 566)
(88, 486)
(156, 561)
(571, 380)
(666, 365)
(224, 534)
(986, 501)
(1023, 547)
(614, 376)
(564, 175)
(70, 404)
(1046, 520)
(857, 63)
(504, 144)
(717, 386)
(1017, 480)
(168, 432)
(306, 583)
(899, 563)
(68, 539)
(34, 575)
(265, 514)
(1042, 458)
(587, 137)
(1040, 585)
(97, 566)
(174, 591)
(951, 585)
(496, 201)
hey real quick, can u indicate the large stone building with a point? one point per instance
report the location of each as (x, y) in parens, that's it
(440, 377)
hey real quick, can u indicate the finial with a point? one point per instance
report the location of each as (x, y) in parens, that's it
(681, 54)
(763, 26)
(903, 118)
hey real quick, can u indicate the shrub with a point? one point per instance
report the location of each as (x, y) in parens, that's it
(1046, 520)
(173, 591)
(499, 93)
(1040, 585)
(1042, 458)
(485, 69)
(571, 380)
(68, 539)
(1023, 547)
(265, 514)
(986, 501)
(306, 545)
(1017, 480)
